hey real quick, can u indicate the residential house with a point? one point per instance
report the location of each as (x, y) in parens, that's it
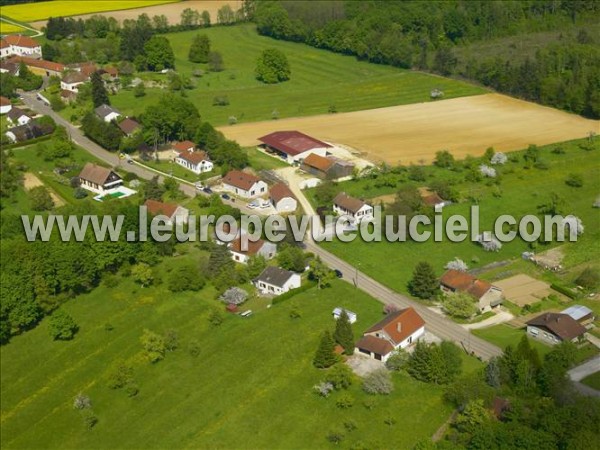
(99, 179)
(260, 247)
(198, 162)
(276, 281)
(183, 146)
(580, 313)
(129, 126)
(72, 80)
(175, 213)
(39, 66)
(487, 295)
(554, 328)
(10, 67)
(107, 113)
(397, 330)
(17, 116)
(337, 312)
(344, 205)
(326, 168)
(293, 146)
(86, 68)
(244, 184)
(30, 130)
(283, 199)
(20, 45)
(5, 105)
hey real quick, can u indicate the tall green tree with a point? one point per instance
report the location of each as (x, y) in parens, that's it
(424, 283)
(62, 326)
(200, 49)
(272, 67)
(325, 355)
(320, 272)
(99, 93)
(159, 54)
(343, 333)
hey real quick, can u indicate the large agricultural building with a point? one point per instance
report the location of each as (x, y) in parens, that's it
(293, 146)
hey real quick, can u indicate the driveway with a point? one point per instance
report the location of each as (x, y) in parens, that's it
(291, 175)
(500, 317)
(580, 372)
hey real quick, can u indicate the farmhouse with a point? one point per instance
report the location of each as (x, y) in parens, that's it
(326, 168)
(183, 146)
(244, 184)
(275, 280)
(337, 312)
(344, 205)
(129, 126)
(4, 49)
(39, 66)
(260, 247)
(175, 213)
(293, 146)
(283, 199)
(580, 313)
(84, 68)
(17, 116)
(554, 328)
(99, 179)
(30, 130)
(487, 295)
(107, 113)
(10, 67)
(72, 80)
(397, 331)
(198, 162)
(5, 105)
(17, 44)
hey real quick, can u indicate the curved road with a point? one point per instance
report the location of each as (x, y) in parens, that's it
(436, 324)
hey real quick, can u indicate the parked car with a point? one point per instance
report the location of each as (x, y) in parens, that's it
(199, 186)
(207, 190)
(225, 196)
(338, 273)
(265, 203)
(252, 205)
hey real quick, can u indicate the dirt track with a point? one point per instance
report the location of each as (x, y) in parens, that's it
(171, 10)
(410, 133)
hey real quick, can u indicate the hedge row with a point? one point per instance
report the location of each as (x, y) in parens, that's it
(289, 294)
(565, 291)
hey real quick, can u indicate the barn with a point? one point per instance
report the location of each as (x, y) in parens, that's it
(293, 146)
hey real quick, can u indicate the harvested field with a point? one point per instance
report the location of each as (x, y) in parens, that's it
(171, 10)
(413, 133)
(523, 290)
(30, 181)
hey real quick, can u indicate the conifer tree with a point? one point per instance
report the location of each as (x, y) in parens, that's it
(99, 94)
(325, 356)
(343, 334)
(200, 49)
(424, 283)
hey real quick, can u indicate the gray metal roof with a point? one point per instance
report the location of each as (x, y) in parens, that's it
(577, 312)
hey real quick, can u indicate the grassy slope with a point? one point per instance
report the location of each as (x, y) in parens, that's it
(319, 79)
(522, 191)
(593, 380)
(253, 374)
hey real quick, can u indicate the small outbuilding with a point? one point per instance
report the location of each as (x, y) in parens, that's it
(337, 312)
(283, 199)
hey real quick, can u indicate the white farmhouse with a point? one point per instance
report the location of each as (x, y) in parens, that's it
(276, 281)
(344, 205)
(267, 249)
(72, 80)
(244, 184)
(198, 162)
(283, 199)
(19, 45)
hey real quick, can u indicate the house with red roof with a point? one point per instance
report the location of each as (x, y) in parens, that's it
(39, 66)
(174, 213)
(242, 249)
(398, 330)
(293, 146)
(187, 156)
(20, 45)
(244, 184)
(4, 49)
(283, 199)
(5, 105)
(484, 293)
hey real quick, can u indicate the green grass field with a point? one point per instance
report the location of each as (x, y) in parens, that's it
(520, 193)
(592, 381)
(250, 387)
(320, 79)
(44, 10)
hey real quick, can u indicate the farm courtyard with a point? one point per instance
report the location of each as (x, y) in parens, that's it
(413, 133)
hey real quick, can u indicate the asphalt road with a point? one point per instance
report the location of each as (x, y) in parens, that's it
(435, 323)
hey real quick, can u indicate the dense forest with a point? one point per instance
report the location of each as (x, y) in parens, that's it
(425, 35)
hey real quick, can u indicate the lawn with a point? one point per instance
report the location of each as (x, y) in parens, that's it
(251, 374)
(505, 335)
(521, 191)
(320, 79)
(44, 10)
(260, 161)
(592, 381)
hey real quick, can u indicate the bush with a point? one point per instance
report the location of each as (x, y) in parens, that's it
(574, 180)
(89, 419)
(340, 376)
(220, 100)
(291, 293)
(132, 389)
(345, 401)
(80, 193)
(397, 361)
(62, 326)
(154, 346)
(335, 436)
(323, 389)
(378, 382)
(82, 402)
(120, 375)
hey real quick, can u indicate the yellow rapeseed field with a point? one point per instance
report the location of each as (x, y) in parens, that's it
(7, 28)
(28, 12)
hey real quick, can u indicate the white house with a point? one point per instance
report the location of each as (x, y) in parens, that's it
(107, 113)
(99, 179)
(198, 162)
(276, 281)
(397, 330)
(18, 117)
(5, 105)
(183, 146)
(344, 205)
(72, 80)
(485, 294)
(17, 44)
(337, 312)
(283, 199)
(293, 146)
(244, 184)
(267, 249)
(175, 213)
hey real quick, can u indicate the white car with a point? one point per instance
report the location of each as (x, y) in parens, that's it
(265, 203)
(252, 205)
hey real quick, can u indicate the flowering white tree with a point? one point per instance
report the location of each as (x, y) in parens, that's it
(457, 264)
(499, 158)
(82, 402)
(323, 389)
(489, 242)
(574, 221)
(487, 171)
(234, 295)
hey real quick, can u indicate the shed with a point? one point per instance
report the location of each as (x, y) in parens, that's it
(337, 312)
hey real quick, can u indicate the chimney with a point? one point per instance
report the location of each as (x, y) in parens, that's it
(399, 327)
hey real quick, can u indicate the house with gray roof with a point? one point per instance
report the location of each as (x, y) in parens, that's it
(276, 281)
(107, 113)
